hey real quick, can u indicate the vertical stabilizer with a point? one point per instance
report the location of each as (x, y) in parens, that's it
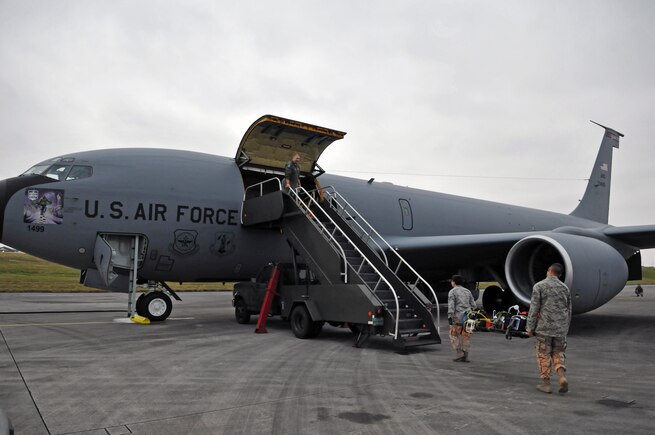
(595, 203)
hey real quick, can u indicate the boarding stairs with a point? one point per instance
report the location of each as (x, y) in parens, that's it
(341, 247)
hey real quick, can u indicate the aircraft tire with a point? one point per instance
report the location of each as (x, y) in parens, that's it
(140, 307)
(302, 324)
(241, 312)
(157, 306)
(492, 299)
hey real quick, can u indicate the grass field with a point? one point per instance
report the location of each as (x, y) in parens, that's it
(24, 273)
(648, 276)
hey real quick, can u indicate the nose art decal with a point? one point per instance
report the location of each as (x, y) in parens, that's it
(43, 206)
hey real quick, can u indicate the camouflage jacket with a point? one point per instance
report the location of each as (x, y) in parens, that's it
(460, 300)
(550, 308)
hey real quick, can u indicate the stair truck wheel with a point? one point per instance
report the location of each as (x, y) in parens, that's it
(241, 312)
(301, 322)
(157, 306)
(317, 327)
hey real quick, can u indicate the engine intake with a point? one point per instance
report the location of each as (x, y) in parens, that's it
(593, 270)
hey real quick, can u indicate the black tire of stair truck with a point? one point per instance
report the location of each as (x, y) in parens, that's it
(302, 324)
(317, 327)
(241, 312)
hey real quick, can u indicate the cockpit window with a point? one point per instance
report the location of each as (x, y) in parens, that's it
(57, 172)
(36, 170)
(61, 172)
(79, 171)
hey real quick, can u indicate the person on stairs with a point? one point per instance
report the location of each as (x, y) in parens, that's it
(292, 173)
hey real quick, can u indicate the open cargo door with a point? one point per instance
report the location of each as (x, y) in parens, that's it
(271, 141)
(102, 257)
(113, 256)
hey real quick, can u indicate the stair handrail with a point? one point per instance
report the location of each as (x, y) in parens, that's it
(294, 193)
(261, 186)
(276, 180)
(356, 221)
(331, 191)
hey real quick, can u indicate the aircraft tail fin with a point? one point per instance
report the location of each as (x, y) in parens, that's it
(595, 203)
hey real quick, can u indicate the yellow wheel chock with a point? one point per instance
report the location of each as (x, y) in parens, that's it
(140, 319)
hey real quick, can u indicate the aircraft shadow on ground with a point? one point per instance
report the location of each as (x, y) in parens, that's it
(341, 335)
(594, 324)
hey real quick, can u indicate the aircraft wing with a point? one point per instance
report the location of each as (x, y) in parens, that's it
(640, 236)
(464, 248)
(478, 248)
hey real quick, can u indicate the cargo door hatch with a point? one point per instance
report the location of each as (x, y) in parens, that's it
(271, 141)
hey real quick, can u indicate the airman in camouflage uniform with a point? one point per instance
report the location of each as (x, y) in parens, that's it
(460, 301)
(548, 320)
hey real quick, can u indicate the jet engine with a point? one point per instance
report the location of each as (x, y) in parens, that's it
(594, 271)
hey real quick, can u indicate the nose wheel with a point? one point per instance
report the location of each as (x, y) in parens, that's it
(156, 306)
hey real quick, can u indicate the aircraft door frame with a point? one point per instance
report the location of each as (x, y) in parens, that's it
(406, 214)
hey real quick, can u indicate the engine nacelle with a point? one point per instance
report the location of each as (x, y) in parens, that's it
(593, 270)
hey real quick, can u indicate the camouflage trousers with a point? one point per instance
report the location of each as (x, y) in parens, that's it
(550, 352)
(459, 338)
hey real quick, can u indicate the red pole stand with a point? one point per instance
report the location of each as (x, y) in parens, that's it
(271, 292)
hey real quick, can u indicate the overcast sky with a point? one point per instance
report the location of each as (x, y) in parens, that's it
(440, 88)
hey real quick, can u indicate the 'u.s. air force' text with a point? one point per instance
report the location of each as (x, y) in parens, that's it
(161, 212)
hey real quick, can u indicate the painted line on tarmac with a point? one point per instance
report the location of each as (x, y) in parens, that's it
(13, 325)
(62, 312)
(29, 391)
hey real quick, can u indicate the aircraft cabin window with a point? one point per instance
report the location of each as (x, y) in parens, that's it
(78, 172)
(57, 172)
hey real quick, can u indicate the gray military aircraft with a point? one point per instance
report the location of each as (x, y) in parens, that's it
(124, 216)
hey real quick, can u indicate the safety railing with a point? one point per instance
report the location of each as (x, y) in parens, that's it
(366, 234)
(274, 181)
(342, 206)
(306, 209)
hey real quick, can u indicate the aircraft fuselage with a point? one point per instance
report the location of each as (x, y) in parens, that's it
(187, 205)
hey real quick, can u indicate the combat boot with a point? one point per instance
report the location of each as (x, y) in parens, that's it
(544, 387)
(466, 357)
(563, 383)
(460, 358)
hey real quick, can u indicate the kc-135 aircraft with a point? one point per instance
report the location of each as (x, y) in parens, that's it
(175, 216)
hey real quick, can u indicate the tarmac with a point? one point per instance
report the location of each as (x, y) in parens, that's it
(70, 364)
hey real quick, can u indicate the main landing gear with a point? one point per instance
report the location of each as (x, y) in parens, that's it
(156, 305)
